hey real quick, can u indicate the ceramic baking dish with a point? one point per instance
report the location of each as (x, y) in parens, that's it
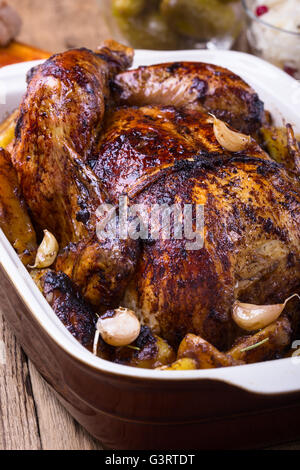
(128, 408)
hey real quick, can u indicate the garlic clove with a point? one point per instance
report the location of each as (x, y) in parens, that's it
(96, 341)
(251, 317)
(230, 140)
(47, 251)
(119, 329)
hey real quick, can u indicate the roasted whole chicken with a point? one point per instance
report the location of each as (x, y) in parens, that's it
(91, 133)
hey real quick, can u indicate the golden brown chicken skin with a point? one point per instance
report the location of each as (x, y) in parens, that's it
(198, 86)
(14, 218)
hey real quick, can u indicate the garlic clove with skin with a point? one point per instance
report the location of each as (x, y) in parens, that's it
(47, 252)
(119, 327)
(230, 140)
(251, 317)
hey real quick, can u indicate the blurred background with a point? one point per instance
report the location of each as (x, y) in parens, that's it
(55, 25)
(165, 24)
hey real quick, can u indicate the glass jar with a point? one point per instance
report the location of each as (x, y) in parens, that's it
(174, 24)
(275, 44)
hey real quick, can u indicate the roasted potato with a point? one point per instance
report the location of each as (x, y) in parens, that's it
(7, 130)
(204, 353)
(185, 363)
(269, 343)
(14, 218)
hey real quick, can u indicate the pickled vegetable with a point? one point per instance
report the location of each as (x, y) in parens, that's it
(228, 1)
(151, 31)
(200, 19)
(128, 7)
(174, 24)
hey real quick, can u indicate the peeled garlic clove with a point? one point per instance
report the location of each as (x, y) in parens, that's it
(47, 251)
(251, 317)
(228, 139)
(119, 329)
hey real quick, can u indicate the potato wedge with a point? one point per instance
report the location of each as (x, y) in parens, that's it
(185, 363)
(7, 130)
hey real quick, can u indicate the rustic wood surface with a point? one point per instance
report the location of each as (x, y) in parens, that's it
(31, 418)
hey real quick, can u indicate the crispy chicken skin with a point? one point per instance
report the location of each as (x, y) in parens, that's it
(78, 144)
(198, 86)
(14, 218)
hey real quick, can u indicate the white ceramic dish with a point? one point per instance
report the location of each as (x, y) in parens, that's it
(281, 95)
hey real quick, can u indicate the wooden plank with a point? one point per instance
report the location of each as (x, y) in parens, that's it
(19, 428)
(58, 429)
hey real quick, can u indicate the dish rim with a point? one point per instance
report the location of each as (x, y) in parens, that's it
(254, 378)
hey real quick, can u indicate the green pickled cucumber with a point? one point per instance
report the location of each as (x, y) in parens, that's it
(149, 31)
(128, 7)
(199, 19)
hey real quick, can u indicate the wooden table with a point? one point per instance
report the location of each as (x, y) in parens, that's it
(31, 418)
